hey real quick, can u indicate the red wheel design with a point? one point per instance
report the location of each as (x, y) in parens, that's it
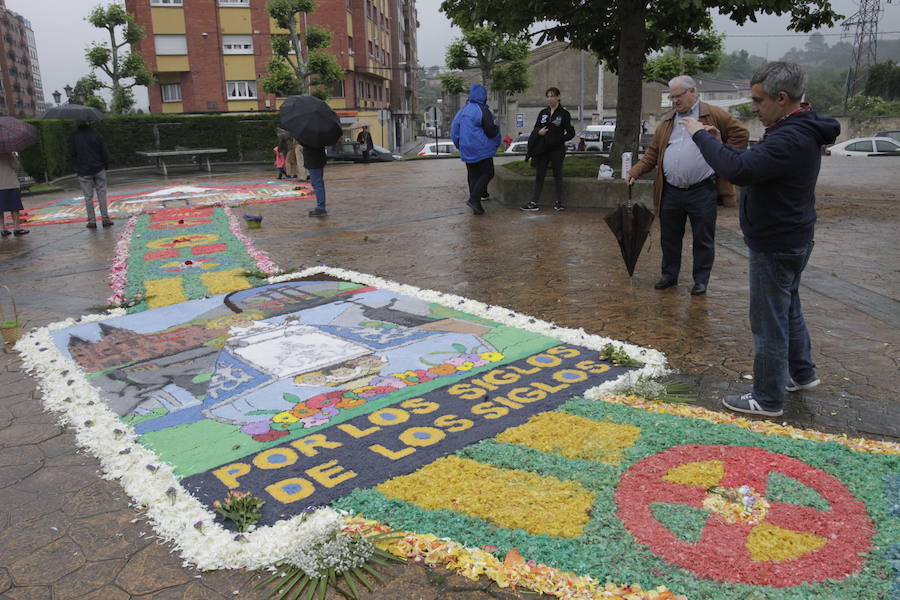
(721, 552)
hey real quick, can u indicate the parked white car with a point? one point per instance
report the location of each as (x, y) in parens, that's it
(441, 148)
(517, 148)
(868, 146)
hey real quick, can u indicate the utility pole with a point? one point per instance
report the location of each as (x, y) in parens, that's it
(864, 45)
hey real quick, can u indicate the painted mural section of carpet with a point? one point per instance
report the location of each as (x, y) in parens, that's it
(125, 203)
(180, 254)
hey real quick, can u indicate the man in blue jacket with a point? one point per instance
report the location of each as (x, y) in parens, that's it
(778, 216)
(475, 132)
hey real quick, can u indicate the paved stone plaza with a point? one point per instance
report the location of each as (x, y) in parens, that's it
(66, 533)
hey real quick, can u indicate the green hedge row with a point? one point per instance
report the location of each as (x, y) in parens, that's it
(247, 137)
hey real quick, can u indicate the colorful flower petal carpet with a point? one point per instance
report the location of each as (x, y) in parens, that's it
(496, 444)
(123, 204)
(179, 254)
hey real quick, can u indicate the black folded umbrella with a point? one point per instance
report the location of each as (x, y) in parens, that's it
(630, 223)
(310, 121)
(75, 112)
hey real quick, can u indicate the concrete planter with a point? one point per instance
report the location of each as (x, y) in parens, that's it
(581, 192)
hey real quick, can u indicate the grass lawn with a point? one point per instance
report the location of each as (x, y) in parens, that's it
(41, 188)
(580, 165)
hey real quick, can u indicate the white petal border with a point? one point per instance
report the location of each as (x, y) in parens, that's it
(176, 515)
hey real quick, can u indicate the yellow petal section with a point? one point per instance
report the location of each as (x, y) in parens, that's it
(704, 474)
(163, 292)
(770, 542)
(223, 282)
(574, 437)
(505, 497)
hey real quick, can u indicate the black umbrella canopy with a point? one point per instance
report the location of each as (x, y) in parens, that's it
(311, 121)
(76, 112)
(630, 223)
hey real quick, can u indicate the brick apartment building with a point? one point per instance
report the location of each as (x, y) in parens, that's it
(210, 55)
(21, 91)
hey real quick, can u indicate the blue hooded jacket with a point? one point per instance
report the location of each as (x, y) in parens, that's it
(474, 131)
(778, 178)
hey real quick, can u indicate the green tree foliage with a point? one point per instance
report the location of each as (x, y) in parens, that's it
(500, 58)
(867, 106)
(453, 84)
(703, 58)
(113, 59)
(884, 81)
(300, 62)
(623, 32)
(85, 90)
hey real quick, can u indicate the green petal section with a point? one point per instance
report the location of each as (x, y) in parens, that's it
(787, 490)
(685, 522)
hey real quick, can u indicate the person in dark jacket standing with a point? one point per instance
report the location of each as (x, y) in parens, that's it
(547, 144)
(475, 132)
(88, 150)
(314, 161)
(778, 217)
(365, 141)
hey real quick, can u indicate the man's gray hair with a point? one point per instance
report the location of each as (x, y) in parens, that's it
(781, 76)
(685, 81)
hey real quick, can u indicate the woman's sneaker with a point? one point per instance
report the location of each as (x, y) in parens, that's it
(793, 386)
(559, 206)
(531, 207)
(748, 404)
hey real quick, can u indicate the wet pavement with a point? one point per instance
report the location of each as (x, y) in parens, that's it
(66, 533)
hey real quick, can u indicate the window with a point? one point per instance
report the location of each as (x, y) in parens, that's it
(337, 90)
(241, 90)
(165, 2)
(171, 92)
(860, 147)
(886, 146)
(170, 44)
(237, 44)
(234, 2)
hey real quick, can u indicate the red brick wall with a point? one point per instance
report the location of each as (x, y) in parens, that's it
(141, 10)
(206, 81)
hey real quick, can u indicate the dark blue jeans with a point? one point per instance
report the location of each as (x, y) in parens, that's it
(317, 179)
(698, 205)
(780, 339)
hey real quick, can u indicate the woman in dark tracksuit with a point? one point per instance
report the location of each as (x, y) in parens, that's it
(547, 144)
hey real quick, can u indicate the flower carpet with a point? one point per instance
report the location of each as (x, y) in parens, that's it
(179, 254)
(123, 204)
(499, 444)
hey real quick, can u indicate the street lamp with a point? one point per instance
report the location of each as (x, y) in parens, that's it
(56, 96)
(68, 90)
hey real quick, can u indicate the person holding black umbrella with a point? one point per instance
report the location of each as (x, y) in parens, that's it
(365, 142)
(88, 150)
(314, 161)
(10, 194)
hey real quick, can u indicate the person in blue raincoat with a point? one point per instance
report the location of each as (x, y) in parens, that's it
(476, 133)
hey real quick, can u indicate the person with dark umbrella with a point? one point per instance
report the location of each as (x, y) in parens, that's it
(91, 156)
(686, 186)
(314, 161)
(10, 194)
(365, 142)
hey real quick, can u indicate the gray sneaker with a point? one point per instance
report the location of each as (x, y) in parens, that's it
(531, 207)
(793, 386)
(748, 404)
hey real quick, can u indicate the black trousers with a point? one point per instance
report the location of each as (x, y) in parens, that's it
(677, 206)
(480, 174)
(554, 159)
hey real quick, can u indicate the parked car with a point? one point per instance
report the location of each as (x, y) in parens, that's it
(893, 133)
(598, 138)
(352, 151)
(441, 148)
(868, 146)
(517, 147)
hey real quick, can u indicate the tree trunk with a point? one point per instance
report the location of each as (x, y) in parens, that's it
(632, 47)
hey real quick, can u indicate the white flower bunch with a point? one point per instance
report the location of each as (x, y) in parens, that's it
(325, 546)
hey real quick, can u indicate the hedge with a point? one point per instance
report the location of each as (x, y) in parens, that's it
(246, 137)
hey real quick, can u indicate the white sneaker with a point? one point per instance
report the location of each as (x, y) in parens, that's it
(793, 386)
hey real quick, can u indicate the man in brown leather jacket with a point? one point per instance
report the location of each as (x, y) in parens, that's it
(686, 186)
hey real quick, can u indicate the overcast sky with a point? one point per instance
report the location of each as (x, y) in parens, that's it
(63, 34)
